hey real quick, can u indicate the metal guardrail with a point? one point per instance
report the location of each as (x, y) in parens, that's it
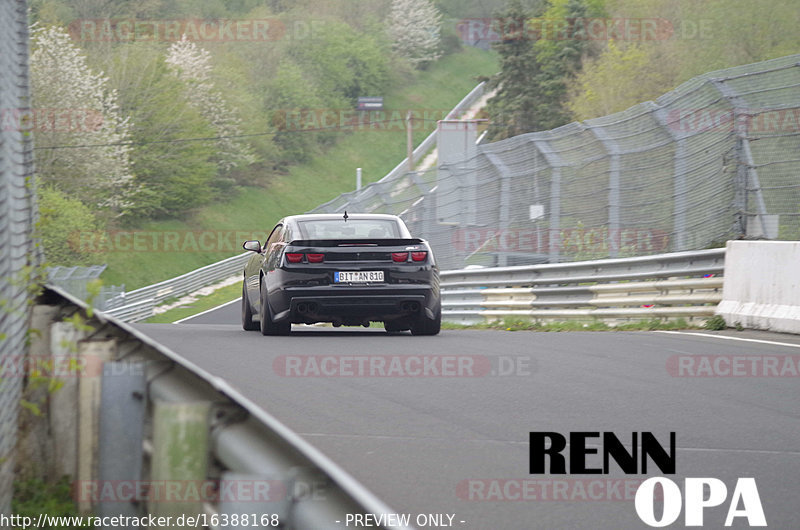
(138, 305)
(676, 285)
(141, 404)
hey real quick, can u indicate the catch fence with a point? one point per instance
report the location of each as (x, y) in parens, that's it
(717, 158)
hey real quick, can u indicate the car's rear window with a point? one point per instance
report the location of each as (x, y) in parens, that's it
(352, 229)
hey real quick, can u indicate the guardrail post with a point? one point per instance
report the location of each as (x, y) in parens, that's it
(180, 457)
(121, 421)
(91, 354)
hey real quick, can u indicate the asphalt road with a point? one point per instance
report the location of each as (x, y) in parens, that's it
(460, 444)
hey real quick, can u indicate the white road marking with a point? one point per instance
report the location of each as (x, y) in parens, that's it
(726, 337)
(208, 311)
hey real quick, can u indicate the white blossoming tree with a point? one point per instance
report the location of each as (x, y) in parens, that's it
(73, 106)
(192, 65)
(414, 27)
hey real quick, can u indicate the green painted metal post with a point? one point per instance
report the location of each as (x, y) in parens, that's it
(179, 460)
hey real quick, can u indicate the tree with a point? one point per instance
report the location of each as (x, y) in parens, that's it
(62, 224)
(172, 175)
(414, 28)
(513, 109)
(73, 106)
(192, 65)
(695, 41)
(537, 65)
(621, 77)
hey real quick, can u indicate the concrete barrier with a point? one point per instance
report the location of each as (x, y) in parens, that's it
(762, 285)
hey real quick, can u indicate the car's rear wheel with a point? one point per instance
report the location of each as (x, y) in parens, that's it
(269, 326)
(247, 312)
(427, 326)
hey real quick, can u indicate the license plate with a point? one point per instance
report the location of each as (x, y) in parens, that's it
(357, 276)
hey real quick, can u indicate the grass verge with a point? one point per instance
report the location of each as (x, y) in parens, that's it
(203, 303)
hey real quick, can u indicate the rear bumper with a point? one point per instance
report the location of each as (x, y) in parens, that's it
(354, 305)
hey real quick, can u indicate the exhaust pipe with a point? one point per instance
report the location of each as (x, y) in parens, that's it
(411, 307)
(306, 307)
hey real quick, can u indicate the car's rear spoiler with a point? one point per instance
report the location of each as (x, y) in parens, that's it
(354, 242)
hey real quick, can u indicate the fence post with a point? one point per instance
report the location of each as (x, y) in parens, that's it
(746, 166)
(613, 151)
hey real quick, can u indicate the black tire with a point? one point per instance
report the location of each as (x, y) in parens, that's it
(269, 326)
(428, 326)
(247, 312)
(395, 327)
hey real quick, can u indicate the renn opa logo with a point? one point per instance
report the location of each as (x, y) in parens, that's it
(546, 456)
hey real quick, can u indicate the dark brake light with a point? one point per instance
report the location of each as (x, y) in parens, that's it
(419, 256)
(294, 257)
(315, 258)
(399, 257)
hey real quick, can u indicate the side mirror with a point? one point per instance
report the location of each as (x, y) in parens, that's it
(253, 246)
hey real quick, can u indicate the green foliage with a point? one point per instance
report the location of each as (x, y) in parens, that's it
(171, 176)
(715, 323)
(344, 64)
(62, 221)
(288, 96)
(701, 37)
(34, 496)
(532, 83)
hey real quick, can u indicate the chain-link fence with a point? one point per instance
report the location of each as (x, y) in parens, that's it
(718, 158)
(17, 216)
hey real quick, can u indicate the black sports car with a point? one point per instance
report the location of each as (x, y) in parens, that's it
(345, 269)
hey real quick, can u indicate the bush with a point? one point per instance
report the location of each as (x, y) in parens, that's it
(715, 323)
(62, 220)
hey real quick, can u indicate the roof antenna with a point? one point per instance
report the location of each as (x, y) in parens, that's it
(345, 216)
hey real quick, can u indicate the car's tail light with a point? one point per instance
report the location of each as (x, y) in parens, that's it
(315, 258)
(294, 257)
(419, 256)
(399, 257)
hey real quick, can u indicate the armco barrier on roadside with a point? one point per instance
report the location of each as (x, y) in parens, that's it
(138, 305)
(762, 285)
(143, 431)
(676, 285)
